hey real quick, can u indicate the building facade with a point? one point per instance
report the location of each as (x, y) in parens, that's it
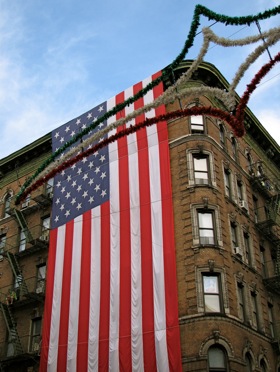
(227, 234)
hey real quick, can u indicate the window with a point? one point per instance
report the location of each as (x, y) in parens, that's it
(8, 200)
(2, 243)
(249, 363)
(234, 147)
(249, 162)
(254, 310)
(234, 240)
(247, 249)
(49, 187)
(45, 228)
(222, 134)
(240, 296)
(211, 291)
(26, 201)
(227, 179)
(240, 191)
(270, 319)
(217, 360)
(263, 365)
(201, 169)
(35, 335)
(41, 276)
(255, 206)
(197, 125)
(22, 240)
(262, 254)
(206, 227)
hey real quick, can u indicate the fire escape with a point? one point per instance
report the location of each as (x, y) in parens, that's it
(24, 292)
(267, 218)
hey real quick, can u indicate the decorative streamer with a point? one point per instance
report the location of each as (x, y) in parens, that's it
(236, 122)
(228, 99)
(215, 112)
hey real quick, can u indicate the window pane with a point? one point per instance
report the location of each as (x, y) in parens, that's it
(216, 358)
(197, 119)
(200, 164)
(42, 272)
(205, 220)
(212, 303)
(46, 223)
(210, 284)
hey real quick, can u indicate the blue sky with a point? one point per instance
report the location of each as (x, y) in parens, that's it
(59, 59)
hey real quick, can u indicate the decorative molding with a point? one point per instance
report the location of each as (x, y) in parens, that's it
(211, 264)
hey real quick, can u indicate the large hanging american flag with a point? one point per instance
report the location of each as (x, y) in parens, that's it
(111, 297)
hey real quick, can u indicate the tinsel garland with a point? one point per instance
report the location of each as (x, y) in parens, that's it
(215, 112)
(199, 10)
(252, 86)
(228, 98)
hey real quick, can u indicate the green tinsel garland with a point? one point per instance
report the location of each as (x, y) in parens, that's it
(199, 10)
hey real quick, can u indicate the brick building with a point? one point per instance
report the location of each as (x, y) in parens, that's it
(226, 213)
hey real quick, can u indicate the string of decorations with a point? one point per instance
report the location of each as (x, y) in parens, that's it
(215, 112)
(235, 121)
(199, 10)
(228, 98)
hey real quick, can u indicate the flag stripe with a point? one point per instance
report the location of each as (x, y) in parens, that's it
(157, 244)
(65, 268)
(136, 275)
(104, 288)
(83, 315)
(75, 294)
(172, 327)
(146, 244)
(94, 282)
(125, 249)
(115, 263)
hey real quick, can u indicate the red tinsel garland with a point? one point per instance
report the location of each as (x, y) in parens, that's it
(215, 112)
(236, 122)
(252, 86)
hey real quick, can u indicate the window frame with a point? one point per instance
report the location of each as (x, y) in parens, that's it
(247, 248)
(35, 337)
(254, 310)
(271, 321)
(22, 240)
(215, 293)
(7, 204)
(223, 368)
(201, 180)
(203, 228)
(195, 125)
(222, 134)
(227, 181)
(220, 271)
(241, 301)
(211, 170)
(41, 279)
(234, 148)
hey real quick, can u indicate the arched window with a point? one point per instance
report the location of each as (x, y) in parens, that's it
(234, 147)
(8, 199)
(249, 162)
(217, 359)
(222, 134)
(249, 362)
(263, 365)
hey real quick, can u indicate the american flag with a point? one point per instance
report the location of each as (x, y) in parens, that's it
(111, 297)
